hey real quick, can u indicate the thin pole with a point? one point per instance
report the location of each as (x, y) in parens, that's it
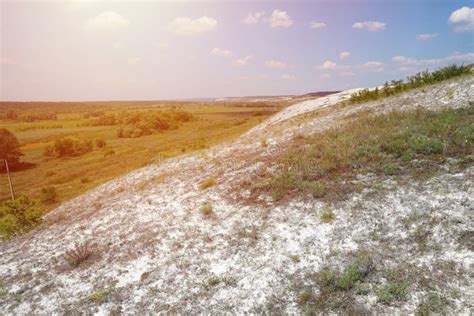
(10, 181)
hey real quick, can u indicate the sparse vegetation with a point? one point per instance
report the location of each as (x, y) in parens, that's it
(78, 254)
(327, 216)
(207, 210)
(18, 216)
(216, 280)
(99, 295)
(433, 303)
(207, 184)
(392, 292)
(336, 289)
(396, 143)
(49, 195)
(395, 289)
(419, 80)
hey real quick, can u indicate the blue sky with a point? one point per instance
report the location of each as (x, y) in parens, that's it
(105, 50)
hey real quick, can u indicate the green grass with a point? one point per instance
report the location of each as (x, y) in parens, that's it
(216, 280)
(336, 288)
(412, 143)
(99, 296)
(419, 80)
(433, 303)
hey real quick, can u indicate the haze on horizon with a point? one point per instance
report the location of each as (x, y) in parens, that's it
(149, 50)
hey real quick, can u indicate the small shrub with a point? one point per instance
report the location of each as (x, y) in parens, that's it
(317, 190)
(68, 147)
(49, 195)
(109, 152)
(99, 296)
(206, 210)
(3, 290)
(208, 183)
(432, 303)
(423, 144)
(336, 288)
(295, 258)
(100, 143)
(390, 169)
(18, 216)
(78, 254)
(216, 280)
(327, 216)
(392, 292)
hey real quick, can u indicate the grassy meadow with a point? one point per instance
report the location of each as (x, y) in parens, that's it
(207, 123)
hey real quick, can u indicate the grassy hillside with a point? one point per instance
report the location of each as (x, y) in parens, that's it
(40, 126)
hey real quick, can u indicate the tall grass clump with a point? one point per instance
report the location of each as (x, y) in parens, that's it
(412, 143)
(421, 79)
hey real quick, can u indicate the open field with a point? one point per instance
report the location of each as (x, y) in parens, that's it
(211, 122)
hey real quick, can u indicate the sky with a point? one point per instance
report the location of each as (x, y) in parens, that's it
(150, 50)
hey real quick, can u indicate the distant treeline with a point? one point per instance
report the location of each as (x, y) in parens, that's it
(421, 79)
(13, 115)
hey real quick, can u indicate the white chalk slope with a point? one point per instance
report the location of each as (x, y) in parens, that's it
(154, 250)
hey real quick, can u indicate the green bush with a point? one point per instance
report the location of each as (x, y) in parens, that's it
(419, 80)
(18, 216)
(68, 147)
(48, 195)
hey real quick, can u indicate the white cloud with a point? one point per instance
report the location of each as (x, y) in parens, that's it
(325, 76)
(462, 19)
(406, 62)
(188, 26)
(275, 64)
(344, 55)
(253, 18)
(280, 19)
(107, 21)
(221, 52)
(426, 36)
(372, 26)
(372, 66)
(245, 60)
(348, 70)
(317, 25)
(328, 65)
(287, 77)
(134, 60)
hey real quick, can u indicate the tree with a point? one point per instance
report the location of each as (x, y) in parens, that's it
(9, 153)
(9, 146)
